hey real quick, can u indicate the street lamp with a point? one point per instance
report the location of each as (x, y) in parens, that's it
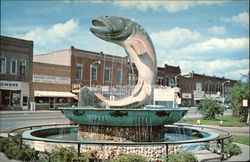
(223, 91)
(175, 79)
(90, 79)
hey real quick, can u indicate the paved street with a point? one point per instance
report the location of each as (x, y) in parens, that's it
(15, 119)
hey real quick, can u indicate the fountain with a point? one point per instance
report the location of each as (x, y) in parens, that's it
(127, 125)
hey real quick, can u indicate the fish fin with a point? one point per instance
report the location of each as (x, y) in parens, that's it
(138, 46)
(147, 88)
(100, 96)
(137, 88)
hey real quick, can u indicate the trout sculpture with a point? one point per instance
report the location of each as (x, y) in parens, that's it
(140, 50)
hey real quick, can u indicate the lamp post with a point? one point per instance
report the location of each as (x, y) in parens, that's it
(90, 79)
(223, 91)
(175, 79)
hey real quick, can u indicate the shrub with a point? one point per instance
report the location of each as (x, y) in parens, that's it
(130, 158)
(239, 92)
(209, 109)
(183, 156)
(63, 154)
(231, 149)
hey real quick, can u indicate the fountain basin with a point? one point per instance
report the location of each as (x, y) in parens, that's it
(124, 117)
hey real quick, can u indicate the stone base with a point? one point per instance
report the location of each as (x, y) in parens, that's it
(122, 134)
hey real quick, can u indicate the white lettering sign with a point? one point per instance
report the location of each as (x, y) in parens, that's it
(187, 95)
(164, 94)
(10, 85)
(212, 145)
(51, 79)
(39, 146)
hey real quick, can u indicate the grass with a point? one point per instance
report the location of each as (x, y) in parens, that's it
(228, 121)
(241, 139)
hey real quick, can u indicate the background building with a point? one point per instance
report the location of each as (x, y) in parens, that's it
(16, 73)
(197, 87)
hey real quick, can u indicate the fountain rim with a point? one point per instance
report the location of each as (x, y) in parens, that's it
(10, 134)
(87, 108)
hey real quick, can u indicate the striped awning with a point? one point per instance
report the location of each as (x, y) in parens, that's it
(53, 94)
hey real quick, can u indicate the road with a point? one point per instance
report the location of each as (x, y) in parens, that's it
(17, 119)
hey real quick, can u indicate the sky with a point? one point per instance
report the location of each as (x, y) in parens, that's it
(207, 37)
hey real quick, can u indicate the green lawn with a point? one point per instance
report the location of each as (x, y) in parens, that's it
(228, 121)
(241, 139)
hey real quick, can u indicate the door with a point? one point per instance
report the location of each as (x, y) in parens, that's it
(52, 103)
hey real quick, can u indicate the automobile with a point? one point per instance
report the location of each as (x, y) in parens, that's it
(226, 105)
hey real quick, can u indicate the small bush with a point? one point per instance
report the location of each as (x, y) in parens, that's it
(231, 149)
(130, 158)
(183, 156)
(209, 109)
(63, 154)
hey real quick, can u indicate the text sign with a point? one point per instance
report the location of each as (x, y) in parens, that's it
(10, 85)
(39, 146)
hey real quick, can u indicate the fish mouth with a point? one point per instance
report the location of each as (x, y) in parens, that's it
(98, 23)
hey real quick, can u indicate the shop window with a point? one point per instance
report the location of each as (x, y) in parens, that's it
(79, 70)
(106, 75)
(22, 67)
(13, 66)
(3, 65)
(198, 86)
(119, 76)
(42, 100)
(25, 100)
(172, 82)
(94, 73)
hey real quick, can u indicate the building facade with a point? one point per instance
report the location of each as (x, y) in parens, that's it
(65, 72)
(16, 90)
(197, 87)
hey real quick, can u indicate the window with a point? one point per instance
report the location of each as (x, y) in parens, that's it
(198, 86)
(218, 88)
(3, 65)
(120, 76)
(131, 78)
(13, 66)
(209, 87)
(22, 67)
(79, 68)
(106, 75)
(172, 82)
(94, 73)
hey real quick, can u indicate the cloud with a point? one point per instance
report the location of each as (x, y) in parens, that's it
(51, 36)
(174, 38)
(217, 30)
(214, 48)
(168, 6)
(227, 68)
(241, 19)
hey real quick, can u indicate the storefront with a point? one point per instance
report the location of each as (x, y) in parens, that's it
(14, 95)
(53, 99)
(186, 99)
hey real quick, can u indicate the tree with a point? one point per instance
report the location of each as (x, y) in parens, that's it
(209, 109)
(239, 92)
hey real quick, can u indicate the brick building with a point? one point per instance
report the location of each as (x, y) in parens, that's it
(16, 73)
(64, 72)
(197, 87)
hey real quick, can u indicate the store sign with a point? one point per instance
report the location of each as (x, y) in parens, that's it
(187, 95)
(10, 85)
(51, 79)
(76, 88)
(161, 94)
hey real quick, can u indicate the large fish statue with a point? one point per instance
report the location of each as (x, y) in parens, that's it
(140, 50)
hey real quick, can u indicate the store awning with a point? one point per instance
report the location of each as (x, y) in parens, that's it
(53, 94)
